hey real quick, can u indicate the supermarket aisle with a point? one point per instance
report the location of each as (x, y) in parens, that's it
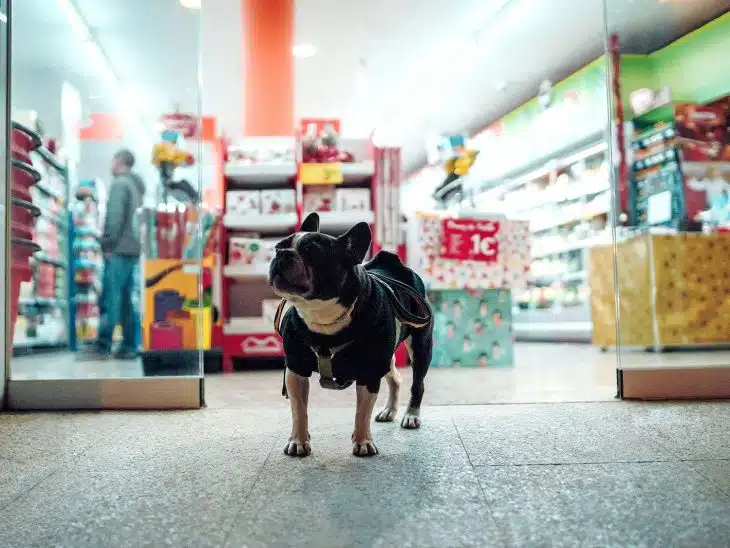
(519, 475)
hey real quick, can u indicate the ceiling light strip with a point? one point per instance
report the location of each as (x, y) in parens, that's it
(81, 30)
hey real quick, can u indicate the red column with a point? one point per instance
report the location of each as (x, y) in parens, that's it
(268, 28)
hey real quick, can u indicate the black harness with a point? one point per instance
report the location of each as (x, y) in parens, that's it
(403, 316)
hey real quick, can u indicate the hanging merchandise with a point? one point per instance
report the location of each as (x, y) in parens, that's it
(167, 155)
(88, 260)
(457, 158)
(39, 284)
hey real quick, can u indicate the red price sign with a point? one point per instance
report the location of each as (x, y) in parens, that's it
(470, 240)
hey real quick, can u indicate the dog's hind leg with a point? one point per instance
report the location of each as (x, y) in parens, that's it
(388, 413)
(420, 350)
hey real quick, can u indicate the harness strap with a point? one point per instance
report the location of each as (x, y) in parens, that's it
(324, 366)
(401, 312)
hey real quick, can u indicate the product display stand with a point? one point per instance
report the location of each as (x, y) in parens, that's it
(471, 265)
(270, 185)
(567, 202)
(88, 264)
(673, 283)
(40, 195)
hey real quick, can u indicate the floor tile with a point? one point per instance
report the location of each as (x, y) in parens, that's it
(33, 437)
(17, 478)
(553, 434)
(716, 471)
(152, 490)
(621, 504)
(689, 430)
(419, 491)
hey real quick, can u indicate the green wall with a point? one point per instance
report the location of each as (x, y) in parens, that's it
(696, 67)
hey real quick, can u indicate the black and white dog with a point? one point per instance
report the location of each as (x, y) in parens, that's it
(345, 322)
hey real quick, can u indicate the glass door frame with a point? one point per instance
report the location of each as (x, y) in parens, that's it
(156, 392)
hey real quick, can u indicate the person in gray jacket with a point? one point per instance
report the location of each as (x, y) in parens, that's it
(121, 245)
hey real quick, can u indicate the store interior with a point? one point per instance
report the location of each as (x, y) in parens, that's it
(602, 179)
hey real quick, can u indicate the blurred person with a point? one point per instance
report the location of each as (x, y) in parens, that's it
(122, 247)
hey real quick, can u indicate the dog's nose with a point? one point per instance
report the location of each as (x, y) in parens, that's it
(285, 257)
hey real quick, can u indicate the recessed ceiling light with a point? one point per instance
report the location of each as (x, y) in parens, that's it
(191, 4)
(304, 50)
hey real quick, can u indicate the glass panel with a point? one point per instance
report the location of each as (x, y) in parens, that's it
(673, 175)
(542, 172)
(109, 226)
(4, 133)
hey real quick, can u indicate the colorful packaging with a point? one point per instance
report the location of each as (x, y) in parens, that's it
(278, 201)
(319, 198)
(249, 251)
(352, 199)
(243, 202)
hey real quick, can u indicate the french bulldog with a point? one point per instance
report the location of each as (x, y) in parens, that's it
(345, 321)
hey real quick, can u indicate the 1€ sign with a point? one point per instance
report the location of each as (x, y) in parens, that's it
(470, 240)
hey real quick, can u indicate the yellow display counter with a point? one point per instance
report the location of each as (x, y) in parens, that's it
(673, 290)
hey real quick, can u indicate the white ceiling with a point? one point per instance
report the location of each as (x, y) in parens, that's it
(405, 66)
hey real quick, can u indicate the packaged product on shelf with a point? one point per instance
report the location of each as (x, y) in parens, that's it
(278, 201)
(319, 198)
(352, 199)
(243, 202)
(244, 251)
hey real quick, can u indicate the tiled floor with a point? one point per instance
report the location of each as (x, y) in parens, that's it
(553, 474)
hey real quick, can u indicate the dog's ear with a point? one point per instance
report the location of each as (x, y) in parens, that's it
(356, 242)
(311, 223)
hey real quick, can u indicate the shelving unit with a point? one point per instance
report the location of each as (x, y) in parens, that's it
(261, 165)
(44, 318)
(568, 204)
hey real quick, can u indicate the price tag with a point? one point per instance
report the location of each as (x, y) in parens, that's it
(470, 240)
(320, 174)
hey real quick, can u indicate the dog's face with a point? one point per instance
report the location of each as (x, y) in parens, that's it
(311, 266)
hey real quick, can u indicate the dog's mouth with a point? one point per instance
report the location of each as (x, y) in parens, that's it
(289, 277)
(284, 285)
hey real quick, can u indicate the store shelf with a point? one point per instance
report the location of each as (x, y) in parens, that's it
(554, 331)
(248, 326)
(570, 217)
(246, 271)
(359, 172)
(51, 159)
(41, 302)
(564, 278)
(343, 220)
(258, 175)
(27, 344)
(42, 258)
(540, 251)
(257, 222)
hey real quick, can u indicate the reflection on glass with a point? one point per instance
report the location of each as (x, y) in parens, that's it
(106, 185)
(673, 182)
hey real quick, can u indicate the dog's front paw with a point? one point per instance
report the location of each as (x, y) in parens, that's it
(296, 448)
(410, 420)
(386, 415)
(363, 447)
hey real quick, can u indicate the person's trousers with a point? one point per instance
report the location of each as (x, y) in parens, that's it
(119, 303)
